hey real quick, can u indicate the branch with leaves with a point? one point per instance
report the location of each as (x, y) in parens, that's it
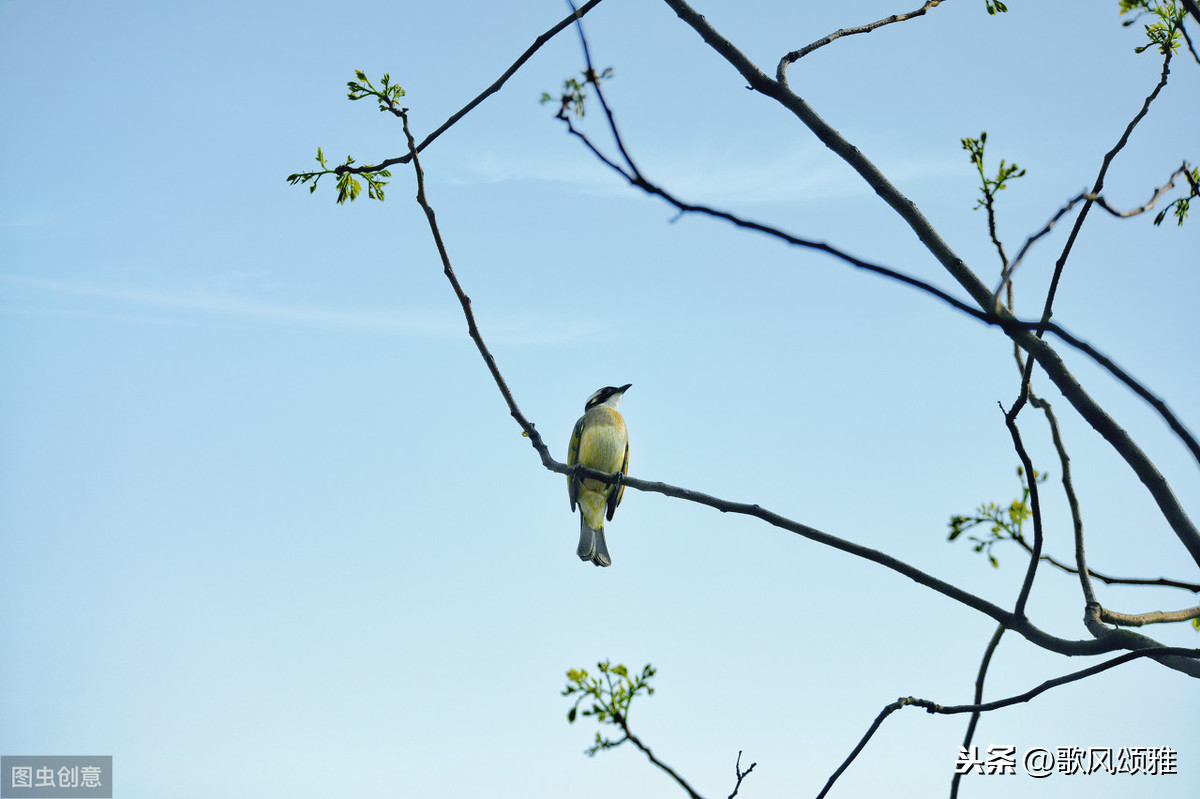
(606, 698)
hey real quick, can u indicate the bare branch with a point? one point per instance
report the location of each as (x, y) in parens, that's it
(741, 775)
(1153, 617)
(1006, 275)
(796, 55)
(650, 756)
(465, 301)
(1099, 184)
(979, 678)
(1161, 652)
(933, 707)
(1010, 420)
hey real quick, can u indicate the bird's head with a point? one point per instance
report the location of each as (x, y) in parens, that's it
(609, 395)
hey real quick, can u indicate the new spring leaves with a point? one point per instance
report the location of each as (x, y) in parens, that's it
(610, 693)
(348, 187)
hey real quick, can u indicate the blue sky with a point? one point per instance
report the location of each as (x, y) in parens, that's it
(268, 529)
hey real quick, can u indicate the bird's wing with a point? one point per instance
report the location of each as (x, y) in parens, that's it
(614, 497)
(572, 459)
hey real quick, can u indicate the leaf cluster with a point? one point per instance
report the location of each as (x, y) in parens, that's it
(348, 187)
(1005, 522)
(996, 7)
(1164, 31)
(606, 696)
(989, 186)
(387, 94)
(1178, 207)
(573, 92)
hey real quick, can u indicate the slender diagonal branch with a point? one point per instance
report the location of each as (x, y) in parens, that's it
(479, 98)
(1010, 420)
(933, 707)
(1099, 184)
(988, 651)
(465, 301)
(1108, 579)
(633, 739)
(796, 55)
(1111, 641)
(1191, 45)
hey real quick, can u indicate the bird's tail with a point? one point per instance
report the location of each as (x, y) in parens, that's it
(591, 544)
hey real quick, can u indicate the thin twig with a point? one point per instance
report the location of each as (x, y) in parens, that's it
(979, 678)
(1188, 39)
(1099, 184)
(465, 302)
(691, 792)
(1010, 420)
(1106, 578)
(479, 98)
(1191, 6)
(796, 55)
(1006, 275)
(741, 775)
(933, 707)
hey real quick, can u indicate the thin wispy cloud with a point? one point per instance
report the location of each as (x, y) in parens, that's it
(803, 174)
(419, 323)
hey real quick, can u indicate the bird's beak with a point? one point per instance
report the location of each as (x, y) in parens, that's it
(625, 387)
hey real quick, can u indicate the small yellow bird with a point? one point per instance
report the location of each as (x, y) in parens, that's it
(599, 441)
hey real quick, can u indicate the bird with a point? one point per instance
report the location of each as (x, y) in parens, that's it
(599, 441)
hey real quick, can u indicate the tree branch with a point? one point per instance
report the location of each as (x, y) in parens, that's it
(796, 55)
(1006, 275)
(976, 707)
(979, 678)
(1010, 421)
(1099, 184)
(741, 775)
(650, 756)
(1153, 617)
(479, 98)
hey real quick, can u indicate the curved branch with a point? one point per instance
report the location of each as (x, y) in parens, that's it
(1006, 275)
(650, 756)
(970, 734)
(796, 55)
(933, 707)
(1109, 641)
(1099, 184)
(479, 98)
